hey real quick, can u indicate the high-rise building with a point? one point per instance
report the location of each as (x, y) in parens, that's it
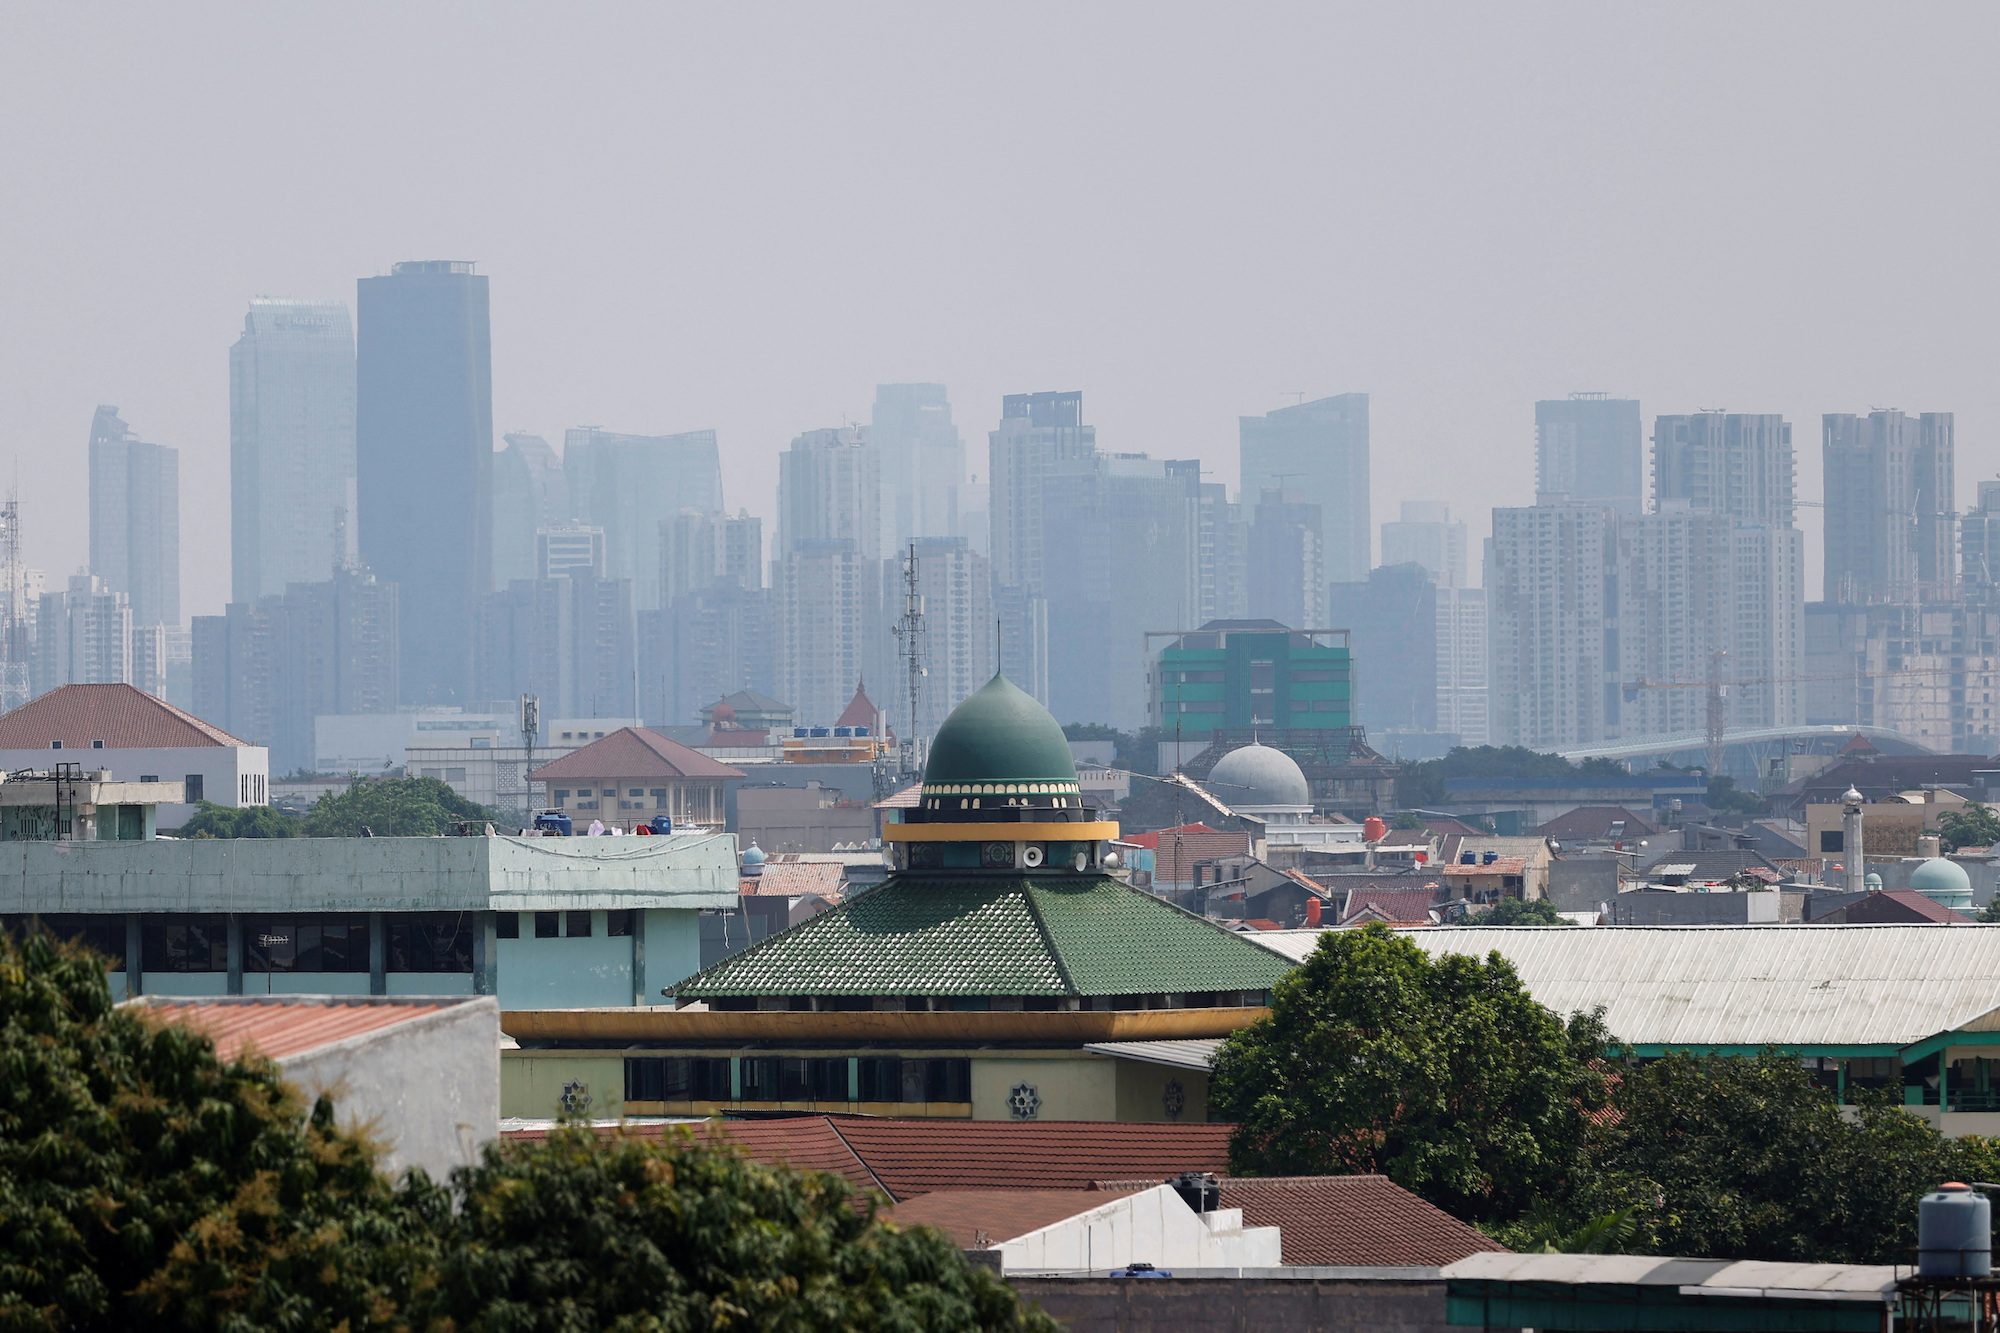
(628, 484)
(567, 639)
(956, 586)
(703, 550)
(1427, 535)
(829, 632)
(1675, 612)
(424, 461)
(1979, 544)
(710, 642)
(1391, 620)
(1590, 449)
(569, 549)
(1317, 453)
(291, 446)
(830, 489)
(923, 462)
(1038, 433)
(135, 519)
(1286, 573)
(1236, 675)
(1552, 600)
(83, 636)
(1222, 556)
(1889, 507)
(530, 492)
(1737, 465)
(1461, 664)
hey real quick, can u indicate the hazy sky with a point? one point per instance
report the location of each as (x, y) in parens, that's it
(746, 216)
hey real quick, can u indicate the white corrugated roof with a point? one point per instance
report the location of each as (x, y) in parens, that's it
(1193, 1054)
(1690, 1277)
(1739, 985)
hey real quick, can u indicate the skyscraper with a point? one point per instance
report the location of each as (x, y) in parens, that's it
(923, 462)
(530, 492)
(1287, 575)
(1038, 432)
(424, 462)
(1391, 620)
(1889, 506)
(956, 586)
(83, 636)
(827, 598)
(1590, 449)
(1317, 453)
(1461, 664)
(627, 484)
(291, 445)
(830, 489)
(135, 519)
(1552, 598)
(1427, 535)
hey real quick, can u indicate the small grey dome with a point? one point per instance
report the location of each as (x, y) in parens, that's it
(1257, 776)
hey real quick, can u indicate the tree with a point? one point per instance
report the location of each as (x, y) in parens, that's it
(1425, 784)
(1442, 1074)
(392, 808)
(251, 821)
(1973, 826)
(1726, 797)
(1516, 912)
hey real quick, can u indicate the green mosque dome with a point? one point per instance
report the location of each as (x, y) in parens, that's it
(1003, 742)
(1942, 880)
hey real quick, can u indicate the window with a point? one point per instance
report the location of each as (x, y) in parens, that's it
(185, 943)
(577, 926)
(430, 942)
(455, 775)
(507, 926)
(635, 791)
(562, 793)
(1832, 840)
(193, 787)
(772, 1078)
(608, 791)
(149, 777)
(658, 793)
(97, 745)
(316, 943)
(618, 923)
(676, 1078)
(548, 925)
(55, 745)
(105, 934)
(888, 1079)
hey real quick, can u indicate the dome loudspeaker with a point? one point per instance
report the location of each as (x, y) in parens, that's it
(1031, 857)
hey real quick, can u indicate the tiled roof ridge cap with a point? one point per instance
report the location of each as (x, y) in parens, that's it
(1049, 941)
(863, 1162)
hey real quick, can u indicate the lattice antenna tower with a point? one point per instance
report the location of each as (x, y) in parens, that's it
(913, 647)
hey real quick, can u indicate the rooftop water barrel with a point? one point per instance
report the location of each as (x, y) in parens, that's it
(1954, 1233)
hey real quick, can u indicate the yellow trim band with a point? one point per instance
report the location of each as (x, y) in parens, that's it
(1101, 830)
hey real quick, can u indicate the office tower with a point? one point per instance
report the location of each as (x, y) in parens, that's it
(1391, 620)
(135, 519)
(238, 666)
(974, 501)
(1038, 432)
(1427, 535)
(569, 549)
(1590, 449)
(1551, 603)
(1317, 453)
(1222, 554)
(1889, 507)
(956, 586)
(567, 639)
(1251, 676)
(1286, 570)
(830, 489)
(701, 550)
(828, 599)
(1461, 664)
(83, 636)
(626, 484)
(530, 492)
(923, 462)
(1735, 464)
(1979, 542)
(291, 445)
(1675, 572)
(424, 461)
(1929, 673)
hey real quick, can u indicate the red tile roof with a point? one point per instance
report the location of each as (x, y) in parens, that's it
(1893, 905)
(1349, 1221)
(1152, 840)
(634, 752)
(787, 879)
(1506, 865)
(917, 1156)
(978, 1219)
(1394, 904)
(860, 710)
(122, 716)
(277, 1027)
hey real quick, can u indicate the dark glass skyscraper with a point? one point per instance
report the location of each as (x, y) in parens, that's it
(424, 462)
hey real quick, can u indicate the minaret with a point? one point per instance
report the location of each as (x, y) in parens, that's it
(1851, 802)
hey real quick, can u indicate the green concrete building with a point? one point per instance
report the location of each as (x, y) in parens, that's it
(1232, 675)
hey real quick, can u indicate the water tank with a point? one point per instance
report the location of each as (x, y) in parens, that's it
(1954, 1233)
(1374, 829)
(1468, 858)
(1488, 858)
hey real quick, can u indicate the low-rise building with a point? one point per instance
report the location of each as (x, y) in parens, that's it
(634, 774)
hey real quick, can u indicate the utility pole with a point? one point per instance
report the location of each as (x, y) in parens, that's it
(914, 649)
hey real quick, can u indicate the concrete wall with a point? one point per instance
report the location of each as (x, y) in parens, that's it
(220, 768)
(533, 1088)
(1142, 1093)
(1071, 1085)
(427, 1089)
(566, 973)
(1153, 1226)
(1239, 1304)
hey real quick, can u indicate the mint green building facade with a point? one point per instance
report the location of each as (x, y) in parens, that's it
(1232, 675)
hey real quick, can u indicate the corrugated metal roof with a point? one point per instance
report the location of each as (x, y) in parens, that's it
(1197, 1054)
(279, 1027)
(1692, 1277)
(1704, 986)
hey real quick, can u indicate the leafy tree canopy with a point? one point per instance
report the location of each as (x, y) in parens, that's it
(1424, 784)
(1515, 912)
(146, 1184)
(1973, 826)
(391, 808)
(251, 821)
(1440, 1073)
(1726, 797)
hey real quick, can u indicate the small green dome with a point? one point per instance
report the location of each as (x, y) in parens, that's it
(1939, 876)
(1000, 735)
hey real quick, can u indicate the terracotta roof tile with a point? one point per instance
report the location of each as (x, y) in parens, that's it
(1506, 865)
(914, 1157)
(1393, 904)
(980, 1218)
(787, 879)
(122, 716)
(634, 752)
(277, 1027)
(860, 710)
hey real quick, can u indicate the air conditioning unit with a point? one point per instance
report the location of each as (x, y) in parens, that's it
(1031, 856)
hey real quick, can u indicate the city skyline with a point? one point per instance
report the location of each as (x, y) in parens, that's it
(1434, 289)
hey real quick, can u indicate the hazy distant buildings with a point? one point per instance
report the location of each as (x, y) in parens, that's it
(828, 601)
(1461, 665)
(955, 583)
(1038, 433)
(830, 489)
(1317, 453)
(291, 446)
(628, 484)
(530, 492)
(424, 461)
(708, 643)
(567, 639)
(1427, 535)
(135, 520)
(1590, 449)
(922, 459)
(1551, 627)
(1889, 507)
(83, 636)
(1392, 624)
(1979, 543)
(568, 549)
(1286, 578)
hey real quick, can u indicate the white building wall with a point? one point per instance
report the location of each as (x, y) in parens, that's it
(1154, 1226)
(1461, 664)
(230, 775)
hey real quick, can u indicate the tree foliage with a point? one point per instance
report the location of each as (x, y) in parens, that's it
(251, 821)
(1725, 797)
(1440, 1073)
(1422, 785)
(144, 1183)
(391, 808)
(1517, 912)
(1973, 826)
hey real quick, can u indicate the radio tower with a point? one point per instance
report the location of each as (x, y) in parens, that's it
(914, 650)
(14, 621)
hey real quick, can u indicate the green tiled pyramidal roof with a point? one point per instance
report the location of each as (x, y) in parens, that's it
(1072, 935)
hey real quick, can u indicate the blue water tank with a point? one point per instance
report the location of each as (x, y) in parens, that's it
(1954, 1233)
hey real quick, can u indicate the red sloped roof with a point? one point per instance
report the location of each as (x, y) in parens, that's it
(977, 1219)
(1393, 904)
(276, 1027)
(1152, 840)
(860, 710)
(633, 752)
(124, 717)
(914, 1157)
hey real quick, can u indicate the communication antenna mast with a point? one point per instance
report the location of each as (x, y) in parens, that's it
(914, 648)
(14, 620)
